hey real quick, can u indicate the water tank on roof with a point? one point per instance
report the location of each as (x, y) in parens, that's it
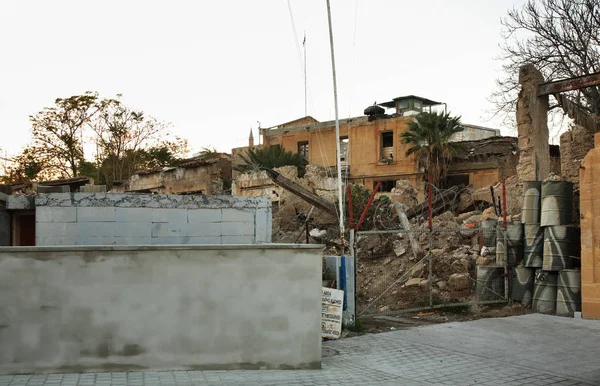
(374, 110)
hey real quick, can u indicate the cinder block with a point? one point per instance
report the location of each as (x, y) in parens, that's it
(48, 241)
(96, 214)
(133, 229)
(205, 229)
(138, 215)
(162, 215)
(204, 240)
(204, 216)
(238, 239)
(95, 229)
(237, 229)
(176, 240)
(262, 226)
(118, 240)
(47, 229)
(237, 215)
(169, 230)
(96, 241)
(55, 214)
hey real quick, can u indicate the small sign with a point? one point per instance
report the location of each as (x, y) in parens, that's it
(331, 313)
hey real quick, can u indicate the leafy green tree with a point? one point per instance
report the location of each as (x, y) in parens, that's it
(270, 157)
(58, 132)
(429, 139)
(24, 167)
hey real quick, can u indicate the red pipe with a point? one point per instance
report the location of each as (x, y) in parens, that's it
(350, 214)
(504, 200)
(430, 202)
(364, 213)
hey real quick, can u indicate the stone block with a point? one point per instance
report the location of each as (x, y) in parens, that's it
(55, 214)
(459, 281)
(215, 240)
(205, 230)
(49, 241)
(96, 214)
(48, 229)
(54, 199)
(162, 215)
(237, 215)
(169, 230)
(238, 239)
(133, 229)
(95, 229)
(237, 229)
(20, 202)
(204, 216)
(138, 215)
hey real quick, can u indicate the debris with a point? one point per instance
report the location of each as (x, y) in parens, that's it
(413, 282)
(384, 309)
(459, 281)
(405, 194)
(442, 285)
(399, 249)
(424, 284)
(489, 214)
(418, 270)
(317, 233)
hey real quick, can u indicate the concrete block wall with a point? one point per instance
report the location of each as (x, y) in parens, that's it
(133, 219)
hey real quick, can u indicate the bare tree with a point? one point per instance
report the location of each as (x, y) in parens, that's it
(129, 140)
(561, 38)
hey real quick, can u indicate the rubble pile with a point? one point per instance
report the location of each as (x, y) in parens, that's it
(385, 260)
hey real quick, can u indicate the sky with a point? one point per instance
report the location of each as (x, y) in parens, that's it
(215, 69)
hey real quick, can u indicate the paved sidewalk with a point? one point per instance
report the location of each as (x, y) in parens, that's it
(523, 350)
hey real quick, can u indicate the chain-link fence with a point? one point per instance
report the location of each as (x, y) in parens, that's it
(402, 271)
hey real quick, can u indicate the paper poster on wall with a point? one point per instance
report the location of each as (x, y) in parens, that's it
(331, 313)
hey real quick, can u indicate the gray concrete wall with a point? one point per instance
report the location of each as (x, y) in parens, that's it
(179, 307)
(4, 221)
(145, 219)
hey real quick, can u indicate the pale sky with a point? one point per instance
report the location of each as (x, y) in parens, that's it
(215, 68)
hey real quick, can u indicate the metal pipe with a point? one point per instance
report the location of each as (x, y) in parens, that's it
(364, 213)
(350, 213)
(337, 131)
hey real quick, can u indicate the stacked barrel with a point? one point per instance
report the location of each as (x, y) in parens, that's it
(550, 246)
(490, 277)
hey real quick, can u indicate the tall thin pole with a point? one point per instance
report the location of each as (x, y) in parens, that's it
(337, 131)
(305, 105)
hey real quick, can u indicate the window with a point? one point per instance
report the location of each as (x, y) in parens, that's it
(344, 141)
(303, 149)
(417, 105)
(386, 186)
(387, 145)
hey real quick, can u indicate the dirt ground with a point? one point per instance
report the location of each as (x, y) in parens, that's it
(383, 323)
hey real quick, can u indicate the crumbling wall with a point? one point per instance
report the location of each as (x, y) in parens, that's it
(574, 145)
(532, 127)
(150, 219)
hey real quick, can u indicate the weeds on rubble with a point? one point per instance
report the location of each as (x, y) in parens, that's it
(358, 326)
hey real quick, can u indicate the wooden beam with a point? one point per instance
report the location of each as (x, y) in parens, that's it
(569, 84)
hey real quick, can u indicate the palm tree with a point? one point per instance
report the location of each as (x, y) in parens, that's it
(270, 157)
(428, 137)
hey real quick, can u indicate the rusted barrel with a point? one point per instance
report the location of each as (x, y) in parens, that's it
(544, 292)
(534, 245)
(530, 211)
(558, 247)
(557, 203)
(568, 296)
(521, 284)
(490, 283)
(513, 251)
